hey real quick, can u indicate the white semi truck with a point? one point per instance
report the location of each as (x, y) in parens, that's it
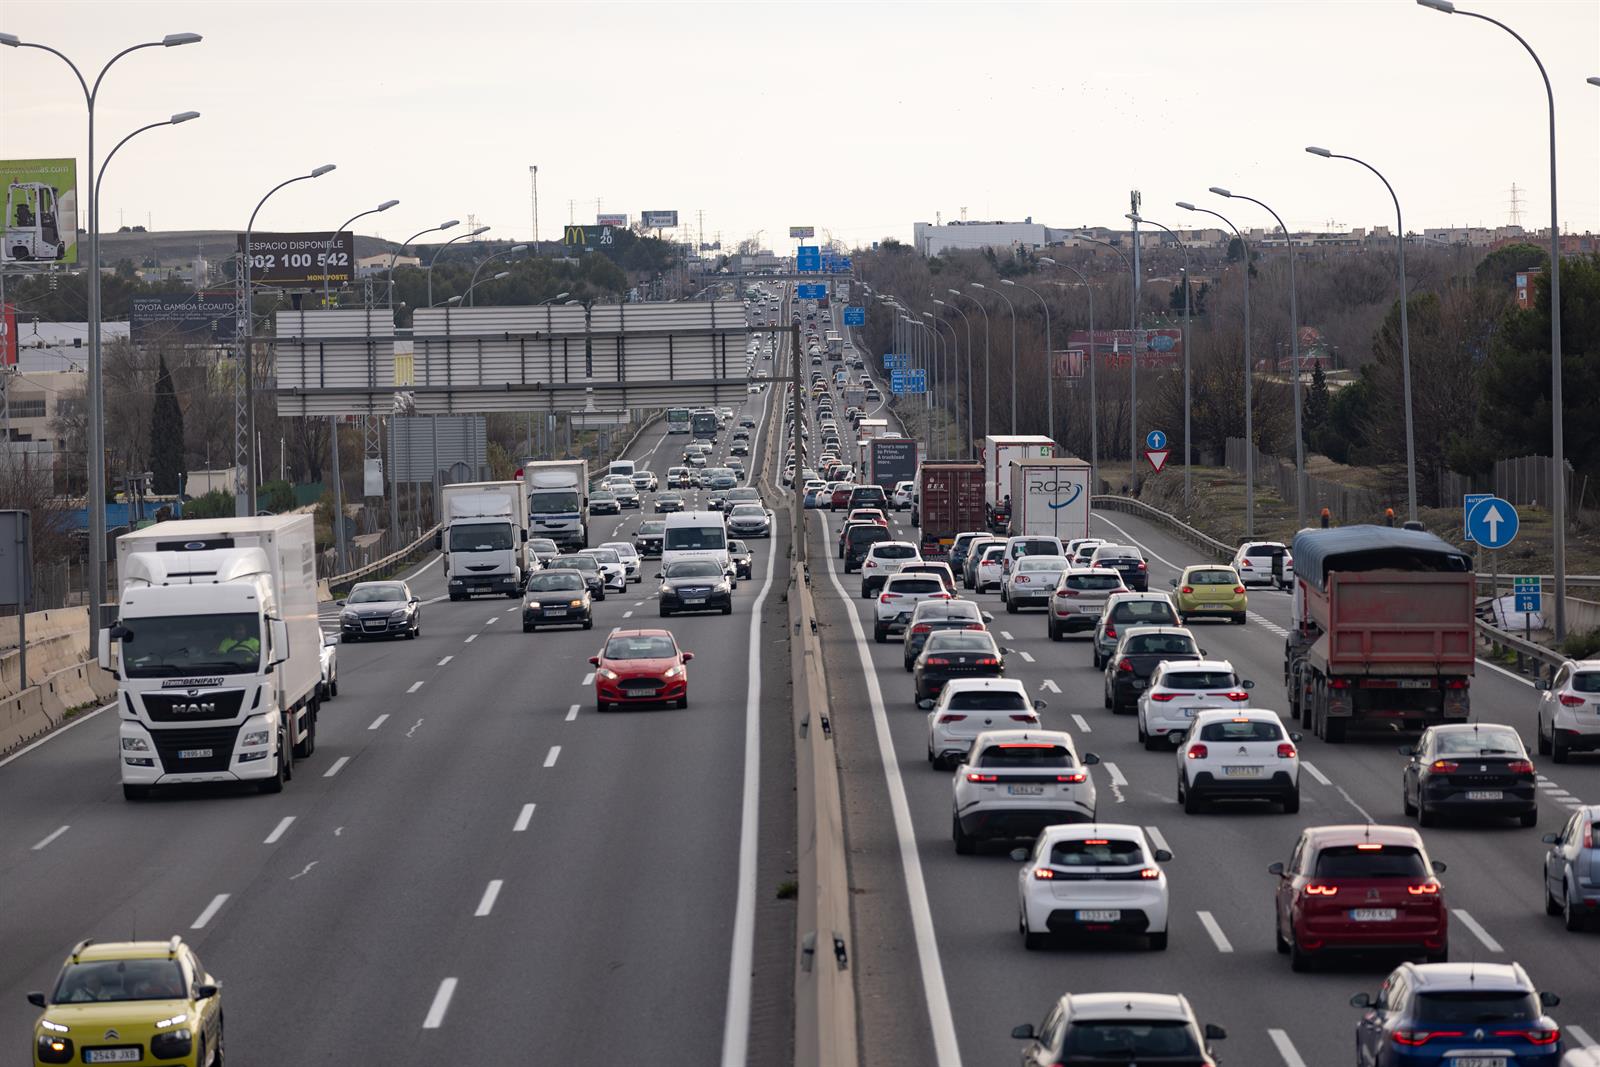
(216, 650)
(558, 500)
(485, 539)
(1049, 498)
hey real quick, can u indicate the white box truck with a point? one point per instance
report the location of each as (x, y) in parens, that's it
(1049, 498)
(485, 538)
(999, 452)
(558, 501)
(216, 651)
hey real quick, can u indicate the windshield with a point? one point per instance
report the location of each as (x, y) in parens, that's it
(1025, 754)
(543, 544)
(989, 700)
(741, 510)
(480, 538)
(1158, 643)
(1213, 578)
(641, 646)
(654, 526)
(693, 538)
(894, 552)
(694, 568)
(574, 563)
(372, 594)
(550, 581)
(1036, 548)
(1143, 611)
(552, 501)
(1094, 581)
(1124, 1040)
(1475, 1007)
(1042, 563)
(113, 980)
(603, 555)
(1371, 861)
(914, 586)
(191, 644)
(960, 641)
(867, 532)
(621, 548)
(1252, 730)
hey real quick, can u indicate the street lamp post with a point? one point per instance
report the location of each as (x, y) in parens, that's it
(513, 250)
(1094, 412)
(1558, 473)
(327, 246)
(1187, 450)
(1405, 326)
(1049, 368)
(428, 271)
(950, 351)
(95, 443)
(979, 305)
(971, 429)
(389, 284)
(1294, 354)
(1013, 309)
(1133, 358)
(1249, 370)
(499, 276)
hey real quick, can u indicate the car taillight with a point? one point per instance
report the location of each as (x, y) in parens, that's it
(1520, 766)
(986, 661)
(974, 776)
(1066, 592)
(1425, 889)
(1144, 566)
(1162, 698)
(869, 563)
(1111, 631)
(1572, 701)
(1338, 683)
(1535, 1037)
(1125, 664)
(1445, 766)
(1043, 874)
(921, 628)
(1285, 750)
(1074, 778)
(1238, 696)
(973, 626)
(947, 718)
(1415, 1038)
(1149, 873)
(1024, 717)
(936, 661)
(1238, 590)
(1588, 836)
(1196, 751)
(1456, 683)
(1187, 589)
(1316, 889)
(938, 596)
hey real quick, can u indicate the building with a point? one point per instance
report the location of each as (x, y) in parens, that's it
(933, 239)
(367, 266)
(1525, 288)
(52, 360)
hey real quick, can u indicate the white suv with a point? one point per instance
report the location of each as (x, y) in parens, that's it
(883, 559)
(1014, 783)
(1243, 754)
(1180, 690)
(900, 596)
(1079, 599)
(1253, 563)
(1092, 878)
(1569, 710)
(968, 706)
(905, 494)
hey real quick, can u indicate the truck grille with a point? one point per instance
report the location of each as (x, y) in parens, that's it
(180, 707)
(219, 739)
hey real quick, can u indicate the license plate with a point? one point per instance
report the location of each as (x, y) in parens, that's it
(1110, 916)
(694, 600)
(644, 692)
(1477, 1061)
(111, 1055)
(1485, 794)
(1372, 915)
(1241, 772)
(193, 753)
(555, 611)
(1415, 683)
(1188, 713)
(1025, 790)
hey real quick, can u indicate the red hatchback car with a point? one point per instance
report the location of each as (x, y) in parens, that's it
(840, 498)
(1360, 888)
(641, 667)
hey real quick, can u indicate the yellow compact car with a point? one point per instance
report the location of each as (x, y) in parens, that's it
(1210, 589)
(133, 1002)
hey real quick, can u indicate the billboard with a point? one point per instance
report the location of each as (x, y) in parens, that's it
(197, 318)
(1069, 365)
(658, 220)
(1155, 348)
(41, 220)
(8, 334)
(611, 220)
(801, 232)
(301, 258)
(587, 238)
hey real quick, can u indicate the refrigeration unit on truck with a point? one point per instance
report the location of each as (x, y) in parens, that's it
(1382, 630)
(999, 452)
(1049, 498)
(216, 650)
(949, 501)
(485, 538)
(558, 501)
(891, 460)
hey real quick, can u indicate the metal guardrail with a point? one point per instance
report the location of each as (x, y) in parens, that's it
(1129, 506)
(381, 566)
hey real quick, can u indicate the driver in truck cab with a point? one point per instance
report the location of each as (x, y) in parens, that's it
(240, 639)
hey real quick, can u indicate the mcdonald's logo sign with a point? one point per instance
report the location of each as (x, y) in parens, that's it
(575, 237)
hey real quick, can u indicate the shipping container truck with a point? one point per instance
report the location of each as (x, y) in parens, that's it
(485, 538)
(999, 452)
(891, 460)
(216, 650)
(558, 501)
(873, 427)
(1382, 630)
(949, 502)
(1049, 498)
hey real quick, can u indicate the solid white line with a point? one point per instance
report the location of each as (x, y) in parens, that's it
(470, 638)
(422, 568)
(1156, 838)
(1311, 769)
(1135, 541)
(414, 687)
(947, 1052)
(447, 659)
(57, 732)
(1115, 774)
(57, 832)
(736, 1024)
(440, 1005)
(210, 913)
(435, 600)
(1218, 938)
(1514, 676)
(1286, 1049)
(588, 679)
(1027, 657)
(572, 713)
(1477, 929)
(555, 753)
(1083, 724)
(1352, 802)
(378, 721)
(279, 830)
(524, 817)
(1581, 1036)
(338, 765)
(490, 893)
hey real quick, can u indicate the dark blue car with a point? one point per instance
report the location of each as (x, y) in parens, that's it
(1445, 1013)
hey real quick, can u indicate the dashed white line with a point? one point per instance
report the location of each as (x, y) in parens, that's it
(1082, 724)
(414, 687)
(279, 830)
(1311, 769)
(1115, 774)
(1477, 929)
(1006, 637)
(470, 638)
(492, 621)
(1218, 938)
(1049, 686)
(1157, 838)
(379, 721)
(1286, 1049)
(338, 765)
(588, 679)
(1027, 657)
(511, 609)
(572, 713)
(447, 659)
(524, 817)
(555, 753)
(210, 913)
(1581, 1036)
(627, 614)
(490, 894)
(57, 832)
(440, 1005)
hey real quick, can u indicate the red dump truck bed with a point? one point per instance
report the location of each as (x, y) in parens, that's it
(1383, 622)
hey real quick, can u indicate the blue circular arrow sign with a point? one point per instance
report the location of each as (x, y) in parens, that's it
(1493, 523)
(1155, 439)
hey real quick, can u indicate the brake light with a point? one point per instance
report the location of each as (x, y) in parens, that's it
(1445, 766)
(949, 717)
(1588, 835)
(1097, 841)
(1025, 717)
(1285, 750)
(939, 596)
(1022, 579)
(1316, 889)
(1066, 592)
(1456, 683)
(1238, 696)
(1144, 566)
(1078, 776)
(1149, 873)
(869, 563)
(1571, 701)
(936, 661)
(1162, 698)
(1238, 590)
(1111, 631)
(1521, 766)
(1369, 847)
(921, 628)
(1426, 889)
(1187, 589)
(974, 776)
(1197, 751)
(1535, 1037)
(1338, 683)
(973, 626)
(1043, 874)
(987, 661)
(1415, 1038)
(1125, 664)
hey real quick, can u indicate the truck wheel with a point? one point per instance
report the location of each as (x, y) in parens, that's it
(1333, 731)
(135, 792)
(275, 783)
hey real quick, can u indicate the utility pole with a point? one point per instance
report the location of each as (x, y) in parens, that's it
(1133, 360)
(533, 175)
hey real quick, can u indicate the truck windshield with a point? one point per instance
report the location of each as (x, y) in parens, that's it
(480, 538)
(554, 502)
(162, 646)
(690, 538)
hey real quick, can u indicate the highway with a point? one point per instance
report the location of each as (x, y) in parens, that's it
(474, 866)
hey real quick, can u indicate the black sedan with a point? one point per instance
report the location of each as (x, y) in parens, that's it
(931, 616)
(669, 502)
(953, 654)
(604, 502)
(650, 536)
(1472, 770)
(557, 597)
(695, 585)
(593, 577)
(1141, 648)
(380, 609)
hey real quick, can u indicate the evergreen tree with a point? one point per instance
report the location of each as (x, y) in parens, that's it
(166, 434)
(1315, 415)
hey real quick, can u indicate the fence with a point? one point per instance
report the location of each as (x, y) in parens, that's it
(1345, 503)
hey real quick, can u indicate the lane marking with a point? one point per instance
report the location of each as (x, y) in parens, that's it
(422, 568)
(1311, 769)
(470, 638)
(1082, 724)
(414, 687)
(572, 713)
(1365, 814)
(588, 679)
(379, 721)
(1218, 938)
(1157, 838)
(627, 614)
(1477, 929)
(210, 913)
(1581, 1036)
(1115, 774)
(57, 832)
(494, 620)
(1004, 636)
(1027, 657)
(1049, 686)
(511, 609)
(338, 765)
(555, 753)
(304, 870)
(279, 830)
(490, 894)
(440, 1005)
(447, 659)
(1286, 1049)
(57, 732)
(413, 729)
(524, 817)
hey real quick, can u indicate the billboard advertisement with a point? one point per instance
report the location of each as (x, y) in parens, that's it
(587, 238)
(194, 318)
(658, 220)
(301, 258)
(41, 220)
(1114, 348)
(1069, 365)
(611, 220)
(8, 334)
(799, 233)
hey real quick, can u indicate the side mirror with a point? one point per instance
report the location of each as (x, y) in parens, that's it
(338, 603)
(687, 656)
(926, 704)
(1089, 759)
(1439, 868)
(1215, 1032)
(37, 1000)
(103, 639)
(438, 540)
(1039, 705)
(416, 600)
(1550, 839)
(1019, 854)
(988, 618)
(524, 535)
(1162, 855)
(1203, 652)
(1021, 1033)
(1275, 868)
(1542, 685)
(1361, 1000)
(279, 631)
(661, 574)
(594, 661)
(204, 991)
(1008, 652)
(1407, 750)
(1549, 1000)
(1247, 684)
(1294, 735)
(1173, 582)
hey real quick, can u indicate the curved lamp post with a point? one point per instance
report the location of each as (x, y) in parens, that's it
(1133, 357)
(1049, 355)
(445, 225)
(513, 250)
(1094, 413)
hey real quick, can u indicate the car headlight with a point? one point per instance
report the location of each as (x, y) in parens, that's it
(607, 673)
(348, 616)
(397, 616)
(672, 672)
(54, 1028)
(135, 744)
(162, 1024)
(575, 604)
(533, 603)
(254, 737)
(723, 587)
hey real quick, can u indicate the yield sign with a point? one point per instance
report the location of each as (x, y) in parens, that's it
(1157, 457)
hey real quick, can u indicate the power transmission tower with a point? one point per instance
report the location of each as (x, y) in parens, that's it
(1516, 205)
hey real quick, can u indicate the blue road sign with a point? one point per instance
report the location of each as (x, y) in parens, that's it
(1493, 523)
(855, 316)
(896, 360)
(1468, 502)
(1155, 440)
(1529, 594)
(808, 258)
(916, 380)
(811, 290)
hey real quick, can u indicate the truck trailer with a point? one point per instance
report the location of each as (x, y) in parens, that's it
(999, 452)
(949, 502)
(485, 538)
(1049, 498)
(891, 460)
(558, 501)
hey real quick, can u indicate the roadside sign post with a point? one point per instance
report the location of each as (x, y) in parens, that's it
(1493, 523)
(1528, 597)
(1155, 450)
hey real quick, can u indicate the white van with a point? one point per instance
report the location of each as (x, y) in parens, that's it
(624, 467)
(695, 535)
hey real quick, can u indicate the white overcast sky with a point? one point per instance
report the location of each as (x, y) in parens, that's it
(859, 118)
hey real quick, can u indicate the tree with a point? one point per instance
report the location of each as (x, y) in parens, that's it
(1499, 268)
(1315, 415)
(166, 435)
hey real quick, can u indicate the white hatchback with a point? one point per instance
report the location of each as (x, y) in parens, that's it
(629, 555)
(899, 597)
(1180, 690)
(1014, 783)
(1092, 878)
(883, 559)
(1569, 710)
(1253, 563)
(991, 569)
(1239, 755)
(968, 706)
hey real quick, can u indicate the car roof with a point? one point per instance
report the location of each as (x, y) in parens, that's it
(979, 685)
(1262, 544)
(377, 585)
(964, 608)
(885, 544)
(90, 952)
(1362, 833)
(1099, 1007)
(1112, 572)
(655, 632)
(928, 565)
(1130, 595)
(1223, 714)
(1076, 831)
(1197, 664)
(1140, 631)
(1464, 976)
